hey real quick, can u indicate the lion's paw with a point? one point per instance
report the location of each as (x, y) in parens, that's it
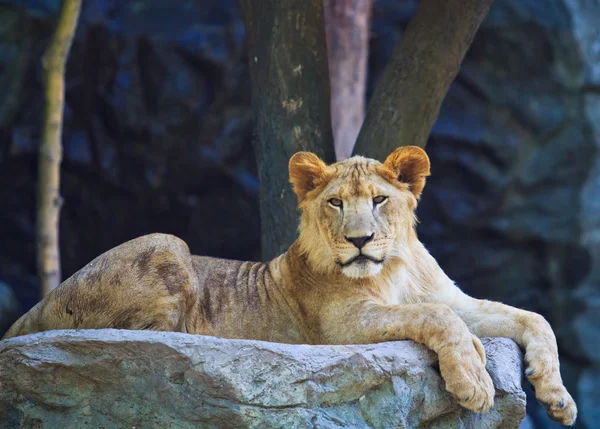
(543, 373)
(466, 377)
(559, 404)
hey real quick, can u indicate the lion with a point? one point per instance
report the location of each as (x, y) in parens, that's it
(356, 274)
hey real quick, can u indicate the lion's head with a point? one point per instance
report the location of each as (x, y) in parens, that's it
(357, 213)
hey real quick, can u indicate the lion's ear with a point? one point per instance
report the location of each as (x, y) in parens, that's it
(409, 164)
(307, 171)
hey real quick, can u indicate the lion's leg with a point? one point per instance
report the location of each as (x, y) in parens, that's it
(461, 354)
(534, 334)
(146, 283)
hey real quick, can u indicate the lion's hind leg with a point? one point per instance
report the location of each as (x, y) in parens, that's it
(146, 283)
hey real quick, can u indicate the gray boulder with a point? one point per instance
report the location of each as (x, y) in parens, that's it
(126, 379)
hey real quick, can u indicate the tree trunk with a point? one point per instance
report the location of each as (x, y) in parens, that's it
(407, 99)
(290, 98)
(50, 156)
(347, 24)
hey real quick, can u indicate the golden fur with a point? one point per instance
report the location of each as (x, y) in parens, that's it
(356, 274)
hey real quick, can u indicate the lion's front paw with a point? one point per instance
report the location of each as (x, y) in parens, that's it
(544, 374)
(559, 404)
(466, 378)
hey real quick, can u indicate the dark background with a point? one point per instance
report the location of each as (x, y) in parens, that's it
(158, 139)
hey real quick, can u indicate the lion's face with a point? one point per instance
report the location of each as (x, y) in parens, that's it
(357, 213)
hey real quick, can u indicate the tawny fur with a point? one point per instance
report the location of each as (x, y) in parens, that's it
(314, 293)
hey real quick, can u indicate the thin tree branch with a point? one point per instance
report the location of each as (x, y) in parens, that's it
(407, 99)
(49, 200)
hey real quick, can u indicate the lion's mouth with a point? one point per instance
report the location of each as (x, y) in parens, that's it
(360, 257)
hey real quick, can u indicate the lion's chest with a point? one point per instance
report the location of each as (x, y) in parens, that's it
(400, 288)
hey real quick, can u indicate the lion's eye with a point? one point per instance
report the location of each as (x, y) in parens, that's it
(335, 202)
(379, 199)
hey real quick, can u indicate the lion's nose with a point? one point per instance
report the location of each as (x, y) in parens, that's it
(360, 241)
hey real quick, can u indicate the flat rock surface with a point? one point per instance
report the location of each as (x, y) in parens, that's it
(141, 379)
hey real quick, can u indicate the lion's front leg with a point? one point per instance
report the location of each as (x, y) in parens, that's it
(461, 354)
(533, 333)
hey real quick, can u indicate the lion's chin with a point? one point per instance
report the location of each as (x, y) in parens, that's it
(362, 268)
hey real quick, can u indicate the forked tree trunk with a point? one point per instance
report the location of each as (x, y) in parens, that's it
(407, 99)
(290, 97)
(50, 156)
(288, 67)
(347, 25)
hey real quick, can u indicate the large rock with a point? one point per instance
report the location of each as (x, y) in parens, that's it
(113, 378)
